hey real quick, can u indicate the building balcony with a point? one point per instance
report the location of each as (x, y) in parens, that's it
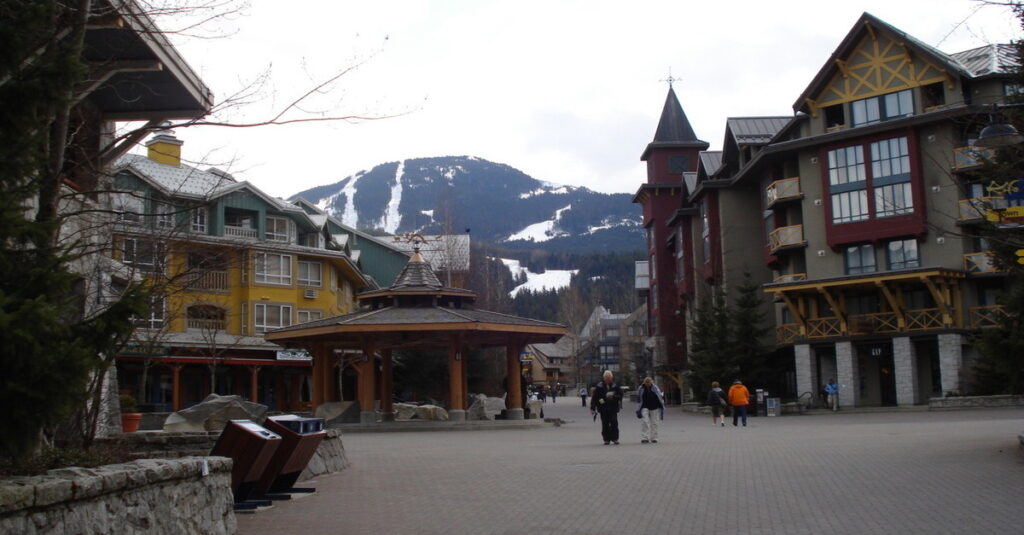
(790, 277)
(782, 237)
(783, 190)
(983, 317)
(216, 281)
(206, 324)
(248, 233)
(981, 208)
(787, 333)
(981, 262)
(971, 157)
(874, 323)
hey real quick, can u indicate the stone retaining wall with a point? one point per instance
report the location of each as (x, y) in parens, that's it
(145, 496)
(969, 402)
(329, 457)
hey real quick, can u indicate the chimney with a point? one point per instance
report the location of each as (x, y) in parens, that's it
(165, 148)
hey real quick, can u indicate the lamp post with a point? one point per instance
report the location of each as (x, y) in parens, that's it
(998, 132)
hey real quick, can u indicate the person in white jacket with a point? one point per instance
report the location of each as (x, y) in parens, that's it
(650, 399)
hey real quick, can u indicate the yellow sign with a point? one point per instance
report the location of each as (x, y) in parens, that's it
(1020, 256)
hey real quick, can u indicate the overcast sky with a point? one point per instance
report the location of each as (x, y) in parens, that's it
(567, 91)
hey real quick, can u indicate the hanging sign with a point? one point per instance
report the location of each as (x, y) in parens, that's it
(294, 354)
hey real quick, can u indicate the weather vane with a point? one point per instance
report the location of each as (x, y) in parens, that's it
(670, 78)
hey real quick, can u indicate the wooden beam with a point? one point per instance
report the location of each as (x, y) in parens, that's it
(836, 309)
(795, 311)
(894, 304)
(947, 313)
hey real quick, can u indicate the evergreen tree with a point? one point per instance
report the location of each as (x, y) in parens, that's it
(713, 353)
(749, 330)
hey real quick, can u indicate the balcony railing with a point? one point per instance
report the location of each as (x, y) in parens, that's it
(971, 157)
(790, 277)
(786, 236)
(205, 324)
(823, 327)
(979, 263)
(982, 317)
(924, 318)
(787, 333)
(877, 322)
(786, 188)
(208, 280)
(240, 232)
(978, 207)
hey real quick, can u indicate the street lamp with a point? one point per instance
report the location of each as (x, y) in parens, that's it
(998, 133)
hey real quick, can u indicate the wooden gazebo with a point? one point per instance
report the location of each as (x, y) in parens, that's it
(416, 312)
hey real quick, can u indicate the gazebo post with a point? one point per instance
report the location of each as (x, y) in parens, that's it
(457, 411)
(513, 380)
(387, 388)
(367, 380)
(321, 364)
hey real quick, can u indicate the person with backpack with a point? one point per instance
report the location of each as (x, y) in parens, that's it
(716, 399)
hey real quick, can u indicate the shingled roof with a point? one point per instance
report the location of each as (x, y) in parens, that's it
(674, 130)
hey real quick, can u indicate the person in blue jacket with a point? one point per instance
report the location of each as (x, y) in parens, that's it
(832, 394)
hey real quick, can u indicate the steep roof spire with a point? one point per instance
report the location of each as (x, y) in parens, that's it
(674, 130)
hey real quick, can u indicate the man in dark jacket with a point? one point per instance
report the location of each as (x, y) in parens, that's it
(606, 401)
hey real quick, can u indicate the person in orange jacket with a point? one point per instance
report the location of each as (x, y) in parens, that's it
(739, 398)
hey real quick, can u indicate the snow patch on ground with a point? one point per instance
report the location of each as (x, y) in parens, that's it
(350, 217)
(551, 279)
(553, 189)
(543, 231)
(392, 218)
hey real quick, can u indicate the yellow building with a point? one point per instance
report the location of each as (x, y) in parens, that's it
(227, 263)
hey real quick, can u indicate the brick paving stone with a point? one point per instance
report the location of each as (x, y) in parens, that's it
(915, 472)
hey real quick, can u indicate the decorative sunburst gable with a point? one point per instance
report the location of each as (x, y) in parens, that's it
(880, 63)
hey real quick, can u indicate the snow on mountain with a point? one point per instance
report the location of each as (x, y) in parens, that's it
(392, 217)
(551, 279)
(543, 231)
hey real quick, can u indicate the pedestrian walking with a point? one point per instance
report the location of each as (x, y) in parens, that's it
(606, 402)
(554, 394)
(718, 404)
(650, 399)
(583, 396)
(832, 395)
(739, 398)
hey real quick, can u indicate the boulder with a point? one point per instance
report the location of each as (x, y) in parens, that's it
(485, 408)
(431, 412)
(213, 413)
(405, 411)
(338, 412)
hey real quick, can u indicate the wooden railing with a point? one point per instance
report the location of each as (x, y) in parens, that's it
(877, 322)
(208, 280)
(783, 236)
(982, 317)
(206, 324)
(979, 263)
(790, 277)
(823, 327)
(240, 232)
(976, 208)
(970, 157)
(785, 188)
(787, 333)
(924, 318)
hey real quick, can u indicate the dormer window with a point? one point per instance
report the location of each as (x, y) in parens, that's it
(128, 207)
(198, 220)
(882, 108)
(278, 229)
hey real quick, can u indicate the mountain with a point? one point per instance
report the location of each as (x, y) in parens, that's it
(498, 203)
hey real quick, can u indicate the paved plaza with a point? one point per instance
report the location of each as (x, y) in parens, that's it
(903, 472)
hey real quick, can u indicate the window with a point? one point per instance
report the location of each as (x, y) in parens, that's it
(890, 176)
(199, 219)
(654, 268)
(164, 215)
(846, 167)
(611, 333)
(309, 315)
(154, 319)
(834, 116)
(893, 200)
(903, 254)
(654, 296)
(859, 259)
(705, 232)
(850, 206)
(310, 274)
(142, 254)
(277, 229)
(128, 207)
(882, 108)
(268, 317)
(273, 268)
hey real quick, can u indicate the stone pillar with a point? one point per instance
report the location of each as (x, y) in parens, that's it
(387, 388)
(847, 375)
(457, 411)
(176, 387)
(904, 360)
(367, 381)
(254, 383)
(806, 371)
(513, 382)
(951, 355)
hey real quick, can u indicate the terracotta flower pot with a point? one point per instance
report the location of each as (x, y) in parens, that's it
(130, 421)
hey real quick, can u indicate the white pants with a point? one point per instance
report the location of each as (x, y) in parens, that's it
(648, 425)
(833, 401)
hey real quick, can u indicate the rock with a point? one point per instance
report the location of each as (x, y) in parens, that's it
(536, 408)
(485, 408)
(404, 411)
(337, 412)
(431, 412)
(213, 414)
